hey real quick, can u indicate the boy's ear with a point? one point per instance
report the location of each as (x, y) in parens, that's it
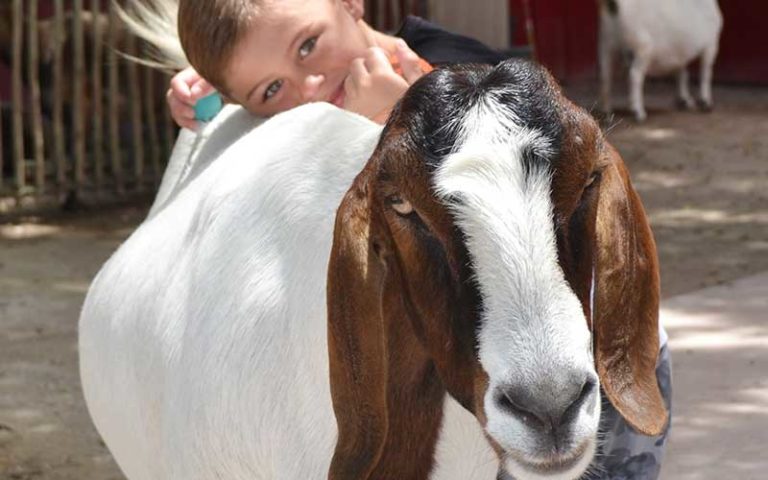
(356, 8)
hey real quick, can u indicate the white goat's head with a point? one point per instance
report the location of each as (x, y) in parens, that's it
(492, 243)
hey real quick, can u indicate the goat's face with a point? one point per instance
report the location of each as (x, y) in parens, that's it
(475, 236)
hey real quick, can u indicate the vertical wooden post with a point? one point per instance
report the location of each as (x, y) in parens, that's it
(18, 119)
(114, 116)
(34, 87)
(154, 137)
(1, 152)
(97, 107)
(170, 129)
(396, 15)
(58, 96)
(381, 14)
(78, 86)
(136, 121)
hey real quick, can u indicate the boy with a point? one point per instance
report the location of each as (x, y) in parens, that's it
(314, 50)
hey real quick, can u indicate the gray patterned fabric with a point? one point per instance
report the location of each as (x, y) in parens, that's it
(626, 454)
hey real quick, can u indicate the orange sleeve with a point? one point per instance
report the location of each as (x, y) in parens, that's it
(425, 66)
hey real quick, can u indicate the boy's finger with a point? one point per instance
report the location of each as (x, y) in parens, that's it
(409, 62)
(357, 71)
(180, 90)
(201, 89)
(182, 82)
(179, 109)
(181, 113)
(376, 61)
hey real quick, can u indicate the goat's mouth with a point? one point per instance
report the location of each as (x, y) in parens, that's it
(571, 465)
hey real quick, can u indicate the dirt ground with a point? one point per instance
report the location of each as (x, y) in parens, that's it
(702, 177)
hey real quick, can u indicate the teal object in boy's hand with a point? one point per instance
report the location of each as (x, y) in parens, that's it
(207, 107)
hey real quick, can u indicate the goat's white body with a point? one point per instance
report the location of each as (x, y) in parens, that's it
(203, 339)
(664, 37)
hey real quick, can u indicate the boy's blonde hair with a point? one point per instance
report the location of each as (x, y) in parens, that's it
(210, 30)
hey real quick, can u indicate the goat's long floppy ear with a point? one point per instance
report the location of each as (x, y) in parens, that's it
(626, 305)
(356, 343)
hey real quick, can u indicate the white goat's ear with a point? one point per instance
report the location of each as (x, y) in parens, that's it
(627, 302)
(357, 351)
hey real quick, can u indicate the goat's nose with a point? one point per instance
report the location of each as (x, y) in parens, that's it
(546, 407)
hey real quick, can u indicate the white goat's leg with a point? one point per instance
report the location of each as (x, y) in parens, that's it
(636, 80)
(684, 99)
(605, 59)
(707, 63)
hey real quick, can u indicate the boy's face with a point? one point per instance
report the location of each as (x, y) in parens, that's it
(297, 51)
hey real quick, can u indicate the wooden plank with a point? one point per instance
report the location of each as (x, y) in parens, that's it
(396, 16)
(114, 114)
(408, 8)
(169, 128)
(381, 14)
(152, 125)
(18, 118)
(33, 66)
(58, 96)
(97, 109)
(78, 85)
(136, 120)
(2, 170)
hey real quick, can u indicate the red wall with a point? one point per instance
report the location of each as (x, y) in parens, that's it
(566, 38)
(744, 43)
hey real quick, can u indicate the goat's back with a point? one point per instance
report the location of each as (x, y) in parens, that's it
(212, 313)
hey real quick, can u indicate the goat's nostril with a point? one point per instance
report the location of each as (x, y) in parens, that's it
(582, 396)
(517, 406)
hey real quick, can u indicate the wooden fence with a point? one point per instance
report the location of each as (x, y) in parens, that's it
(83, 123)
(79, 121)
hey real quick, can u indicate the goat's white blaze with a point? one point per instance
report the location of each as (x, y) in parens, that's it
(533, 327)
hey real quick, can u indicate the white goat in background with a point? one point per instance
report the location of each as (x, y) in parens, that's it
(662, 37)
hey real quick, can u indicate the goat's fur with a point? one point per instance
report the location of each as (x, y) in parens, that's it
(156, 22)
(661, 37)
(439, 329)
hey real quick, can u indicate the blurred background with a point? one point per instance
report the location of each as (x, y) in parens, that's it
(85, 134)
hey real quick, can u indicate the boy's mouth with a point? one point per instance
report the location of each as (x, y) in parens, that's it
(337, 96)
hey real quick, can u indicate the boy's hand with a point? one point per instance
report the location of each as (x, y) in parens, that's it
(409, 62)
(373, 87)
(187, 87)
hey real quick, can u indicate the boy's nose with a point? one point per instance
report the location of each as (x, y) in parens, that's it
(311, 87)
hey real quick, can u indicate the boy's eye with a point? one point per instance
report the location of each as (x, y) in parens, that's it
(272, 89)
(307, 47)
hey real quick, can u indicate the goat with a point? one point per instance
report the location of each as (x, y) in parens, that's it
(489, 270)
(661, 37)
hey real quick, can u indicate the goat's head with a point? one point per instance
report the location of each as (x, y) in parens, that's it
(490, 245)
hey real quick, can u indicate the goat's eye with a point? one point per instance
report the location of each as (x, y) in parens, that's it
(400, 205)
(592, 179)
